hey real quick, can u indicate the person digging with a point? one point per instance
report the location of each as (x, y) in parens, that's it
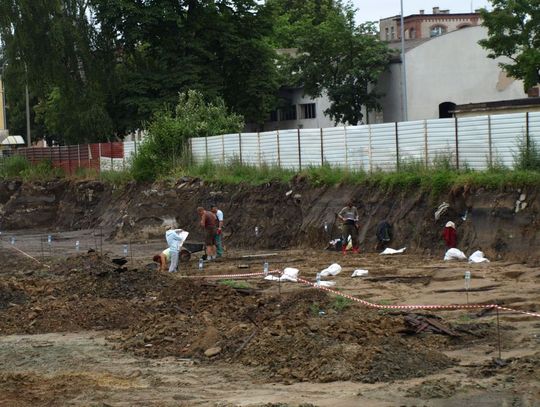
(349, 217)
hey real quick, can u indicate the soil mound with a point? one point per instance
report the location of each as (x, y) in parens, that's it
(300, 335)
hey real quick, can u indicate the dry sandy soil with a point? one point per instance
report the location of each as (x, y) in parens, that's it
(78, 330)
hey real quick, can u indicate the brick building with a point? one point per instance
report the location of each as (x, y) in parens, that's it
(424, 26)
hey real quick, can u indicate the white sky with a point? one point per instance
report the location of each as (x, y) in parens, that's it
(374, 10)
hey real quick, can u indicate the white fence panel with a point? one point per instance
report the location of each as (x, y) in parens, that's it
(334, 146)
(269, 148)
(215, 148)
(250, 148)
(310, 147)
(534, 128)
(481, 141)
(441, 139)
(288, 145)
(412, 141)
(198, 149)
(473, 142)
(357, 148)
(506, 131)
(383, 147)
(231, 146)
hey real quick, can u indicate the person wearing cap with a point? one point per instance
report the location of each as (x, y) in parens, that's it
(449, 235)
(219, 237)
(349, 216)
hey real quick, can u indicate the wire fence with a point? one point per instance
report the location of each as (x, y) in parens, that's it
(478, 143)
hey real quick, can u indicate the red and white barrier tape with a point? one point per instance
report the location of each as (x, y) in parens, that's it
(413, 307)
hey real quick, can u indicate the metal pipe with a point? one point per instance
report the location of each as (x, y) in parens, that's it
(403, 70)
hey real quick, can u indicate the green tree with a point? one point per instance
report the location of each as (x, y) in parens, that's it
(342, 60)
(514, 32)
(168, 132)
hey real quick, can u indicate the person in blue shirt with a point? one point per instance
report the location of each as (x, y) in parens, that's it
(219, 235)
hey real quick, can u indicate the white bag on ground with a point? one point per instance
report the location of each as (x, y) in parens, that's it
(289, 274)
(326, 283)
(454, 254)
(359, 273)
(333, 270)
(393, 251)
(478, 257)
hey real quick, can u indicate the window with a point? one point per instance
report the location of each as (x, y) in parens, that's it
(392, 33)
(273, 116)
(412, 33)
(307, 111)
(387, 34)
(288, 113)
(437, 30)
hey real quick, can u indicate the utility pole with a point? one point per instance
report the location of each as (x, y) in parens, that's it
(28, 136)
(403, 70)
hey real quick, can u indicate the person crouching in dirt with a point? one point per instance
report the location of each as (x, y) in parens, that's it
(449, 235)
(349, 216)
(163, 259)
(219, 236)
(175, 241)
(209, 224)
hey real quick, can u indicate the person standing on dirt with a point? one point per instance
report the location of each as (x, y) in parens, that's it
(449, 235)
(349, 216)
(209, 223)
(219, 236)
(175, 241)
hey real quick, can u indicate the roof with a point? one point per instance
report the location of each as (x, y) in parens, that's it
(499, 104)
(12, 141)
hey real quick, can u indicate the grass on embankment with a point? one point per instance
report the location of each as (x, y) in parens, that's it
(442, 177)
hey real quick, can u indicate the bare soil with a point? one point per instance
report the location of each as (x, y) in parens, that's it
(77, 329)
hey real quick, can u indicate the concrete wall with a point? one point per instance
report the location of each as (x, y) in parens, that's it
(450, 68)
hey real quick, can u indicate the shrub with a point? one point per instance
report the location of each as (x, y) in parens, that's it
(14, 166)
(166, 145)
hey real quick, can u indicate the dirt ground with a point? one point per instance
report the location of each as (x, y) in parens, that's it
(77, 329)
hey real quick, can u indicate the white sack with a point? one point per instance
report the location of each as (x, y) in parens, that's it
(289, 274)
(333, 270)
(478, 257)
(393, 251)
(454, 254)
(360, 273)
(326, 283)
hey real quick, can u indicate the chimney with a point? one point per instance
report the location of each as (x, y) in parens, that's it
(421, 11)
(436, 10)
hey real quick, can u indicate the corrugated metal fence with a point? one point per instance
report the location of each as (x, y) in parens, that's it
(476, 142)
(97, 156)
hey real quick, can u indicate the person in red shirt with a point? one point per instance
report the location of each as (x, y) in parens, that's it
(209, 224)
(449, 235)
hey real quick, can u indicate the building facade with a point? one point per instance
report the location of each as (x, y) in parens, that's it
(445, 71)
(422, 26)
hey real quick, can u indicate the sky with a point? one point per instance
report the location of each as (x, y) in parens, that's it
(374, 10)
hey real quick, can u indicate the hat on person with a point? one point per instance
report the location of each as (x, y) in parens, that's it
(450, 225)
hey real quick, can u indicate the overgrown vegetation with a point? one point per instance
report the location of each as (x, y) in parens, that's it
(152, 163)
(20, 167)
(166, 145)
